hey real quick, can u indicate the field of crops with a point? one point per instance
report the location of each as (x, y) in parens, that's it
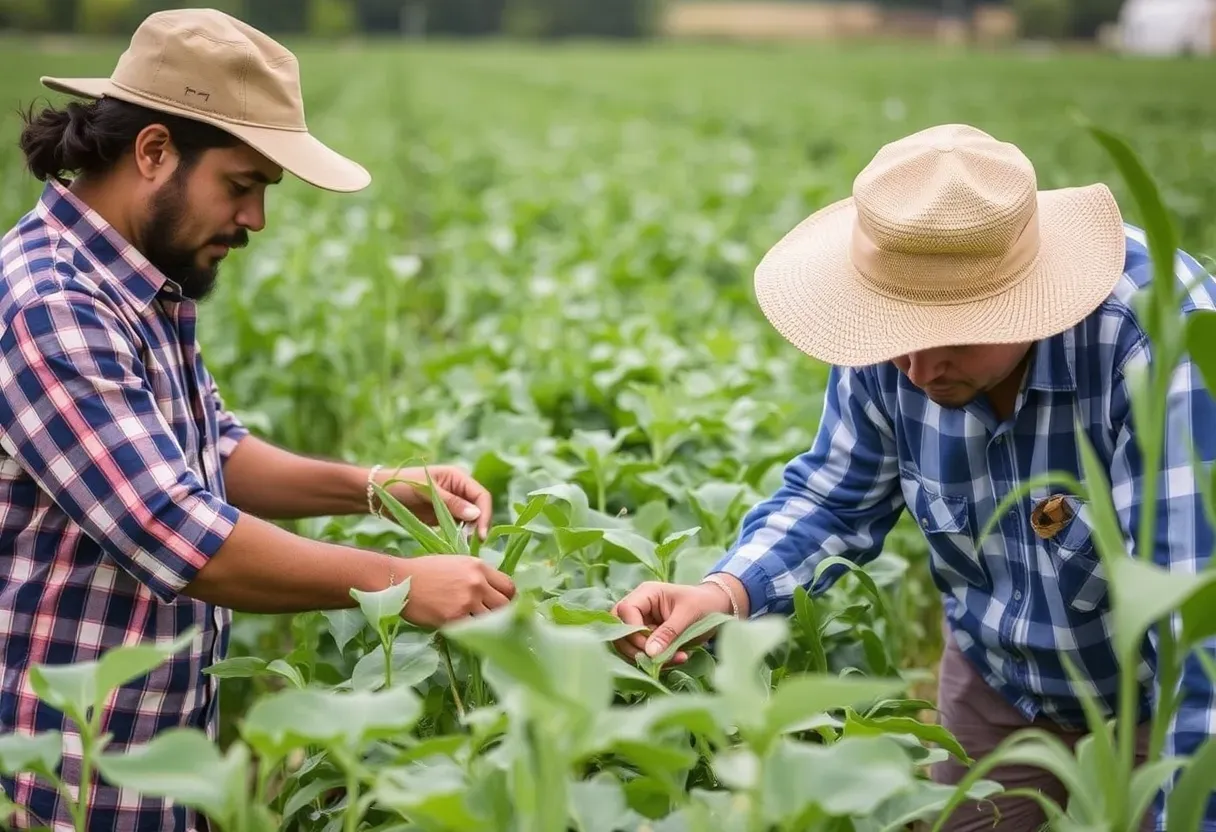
(549, 282)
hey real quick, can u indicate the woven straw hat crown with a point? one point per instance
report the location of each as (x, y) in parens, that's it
(945, 240)
(946, 216)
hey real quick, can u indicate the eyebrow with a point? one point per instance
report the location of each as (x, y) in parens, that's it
(258, 176)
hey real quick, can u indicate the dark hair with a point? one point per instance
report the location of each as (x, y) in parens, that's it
(91, 137)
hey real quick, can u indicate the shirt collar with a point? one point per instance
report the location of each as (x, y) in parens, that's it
(101, 245)
(1053, 363)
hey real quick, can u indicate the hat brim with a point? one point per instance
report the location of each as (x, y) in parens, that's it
(809, 290)
(296, 151)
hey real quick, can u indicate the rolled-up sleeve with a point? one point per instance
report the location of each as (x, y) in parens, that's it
(77, 414)
(840, 498)
(231, 429)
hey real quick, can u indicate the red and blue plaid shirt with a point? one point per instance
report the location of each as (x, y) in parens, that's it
(112, 440)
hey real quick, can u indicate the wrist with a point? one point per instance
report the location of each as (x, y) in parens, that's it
(731, 594)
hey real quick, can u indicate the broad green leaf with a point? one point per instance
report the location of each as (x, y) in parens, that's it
(344, 625)
(802, 697)
(435, 795)
(39, 753)
(238, 667)
(846, 778)
(598, 805)
(670, 544)
(922, 803)
(382, 608)
(637, 546)
(185, 766)
(706, 624)
(605, 625)
(741, 648)
(293, 719)
(77, 689)
(1145, 593)
(413, 663)
(857, 725)
(287, 671)
(502, 637)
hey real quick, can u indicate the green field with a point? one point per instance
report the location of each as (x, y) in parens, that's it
(549, 281)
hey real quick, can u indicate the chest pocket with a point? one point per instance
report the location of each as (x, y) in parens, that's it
(1069, 541)
(945, 521)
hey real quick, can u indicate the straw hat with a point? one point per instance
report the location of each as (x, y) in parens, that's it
(945, 241)
(206, 65)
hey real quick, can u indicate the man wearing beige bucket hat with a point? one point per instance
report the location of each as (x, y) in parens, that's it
(133, 505)
(971, 322)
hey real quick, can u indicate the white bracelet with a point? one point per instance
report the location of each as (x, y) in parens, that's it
(721, 584)
(371, 476)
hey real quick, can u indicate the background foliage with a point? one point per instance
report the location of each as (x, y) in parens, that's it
(480, 18)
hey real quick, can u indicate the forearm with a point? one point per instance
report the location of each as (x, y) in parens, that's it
(275, 484)
(262, 568)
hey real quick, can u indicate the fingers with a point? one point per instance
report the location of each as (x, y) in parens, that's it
(630, 645)
(498, 580)
(683, 614)
(467, 499)
(492, 599)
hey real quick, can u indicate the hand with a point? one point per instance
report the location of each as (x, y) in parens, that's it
(467, 499)
(446, 588)
(667, 610)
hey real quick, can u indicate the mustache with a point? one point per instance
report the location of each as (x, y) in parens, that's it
(238, 240)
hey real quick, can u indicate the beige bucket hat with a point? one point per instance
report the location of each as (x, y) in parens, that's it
(206, 65)
(945, 241)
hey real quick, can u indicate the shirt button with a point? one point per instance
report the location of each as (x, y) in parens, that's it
(924, 521)
(1017, 595)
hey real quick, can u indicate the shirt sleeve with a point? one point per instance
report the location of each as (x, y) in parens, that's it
(1183, 534)
(231, 429)
(841, 497)
(77, 414)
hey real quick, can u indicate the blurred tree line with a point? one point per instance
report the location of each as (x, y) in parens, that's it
(471, 18)
(532, 18)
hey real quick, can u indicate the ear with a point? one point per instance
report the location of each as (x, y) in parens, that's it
(155, 156)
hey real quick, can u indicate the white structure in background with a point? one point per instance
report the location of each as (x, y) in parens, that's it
(1167, 27)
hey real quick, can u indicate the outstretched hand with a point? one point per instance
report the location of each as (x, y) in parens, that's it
(666, 610)
(466, 498)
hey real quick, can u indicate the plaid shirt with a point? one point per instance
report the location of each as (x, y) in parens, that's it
(112, 438)
(1018, 602)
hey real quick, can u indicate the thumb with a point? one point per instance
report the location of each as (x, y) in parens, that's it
(683, 615)
(461, 508)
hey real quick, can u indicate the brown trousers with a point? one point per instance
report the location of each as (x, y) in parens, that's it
(981, 719)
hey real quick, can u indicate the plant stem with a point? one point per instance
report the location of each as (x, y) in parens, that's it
(388, 665)
(80, 810)
(447, 661)
(351, 820)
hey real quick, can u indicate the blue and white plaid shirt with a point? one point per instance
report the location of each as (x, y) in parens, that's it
(1017, 603)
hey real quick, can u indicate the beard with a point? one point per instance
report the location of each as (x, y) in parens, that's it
(176, 260)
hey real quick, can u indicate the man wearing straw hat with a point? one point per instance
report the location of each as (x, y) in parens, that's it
(134, 506)
(972, 322)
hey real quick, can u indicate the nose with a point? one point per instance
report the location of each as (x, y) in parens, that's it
(924, 367)
(252, 216)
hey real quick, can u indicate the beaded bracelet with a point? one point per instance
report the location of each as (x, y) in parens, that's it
(371, 476)
(721, 584)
